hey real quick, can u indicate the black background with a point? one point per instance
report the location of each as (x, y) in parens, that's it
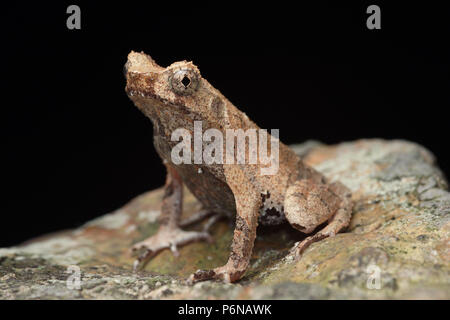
(75, 147)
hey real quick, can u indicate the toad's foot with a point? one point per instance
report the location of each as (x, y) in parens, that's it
(301, 246)
(225, 273)
(165, 238)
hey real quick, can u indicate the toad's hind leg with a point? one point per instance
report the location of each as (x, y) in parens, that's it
(309, 204)
(169, 235)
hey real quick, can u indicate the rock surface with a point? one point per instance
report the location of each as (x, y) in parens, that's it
(396, 247)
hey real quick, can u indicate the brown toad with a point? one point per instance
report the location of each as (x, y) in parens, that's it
(178, 97)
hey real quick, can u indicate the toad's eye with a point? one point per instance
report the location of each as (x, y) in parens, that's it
(184, 81)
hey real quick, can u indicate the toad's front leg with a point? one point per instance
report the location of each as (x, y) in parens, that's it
(248, 203)
(169, 235)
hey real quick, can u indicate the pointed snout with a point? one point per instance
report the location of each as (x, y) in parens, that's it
(140, 62)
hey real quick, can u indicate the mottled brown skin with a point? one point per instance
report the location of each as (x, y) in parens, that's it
(175, 97)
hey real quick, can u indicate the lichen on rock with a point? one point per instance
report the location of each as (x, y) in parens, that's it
(396, 247)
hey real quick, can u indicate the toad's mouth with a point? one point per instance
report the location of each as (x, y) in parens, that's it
(140, 84)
